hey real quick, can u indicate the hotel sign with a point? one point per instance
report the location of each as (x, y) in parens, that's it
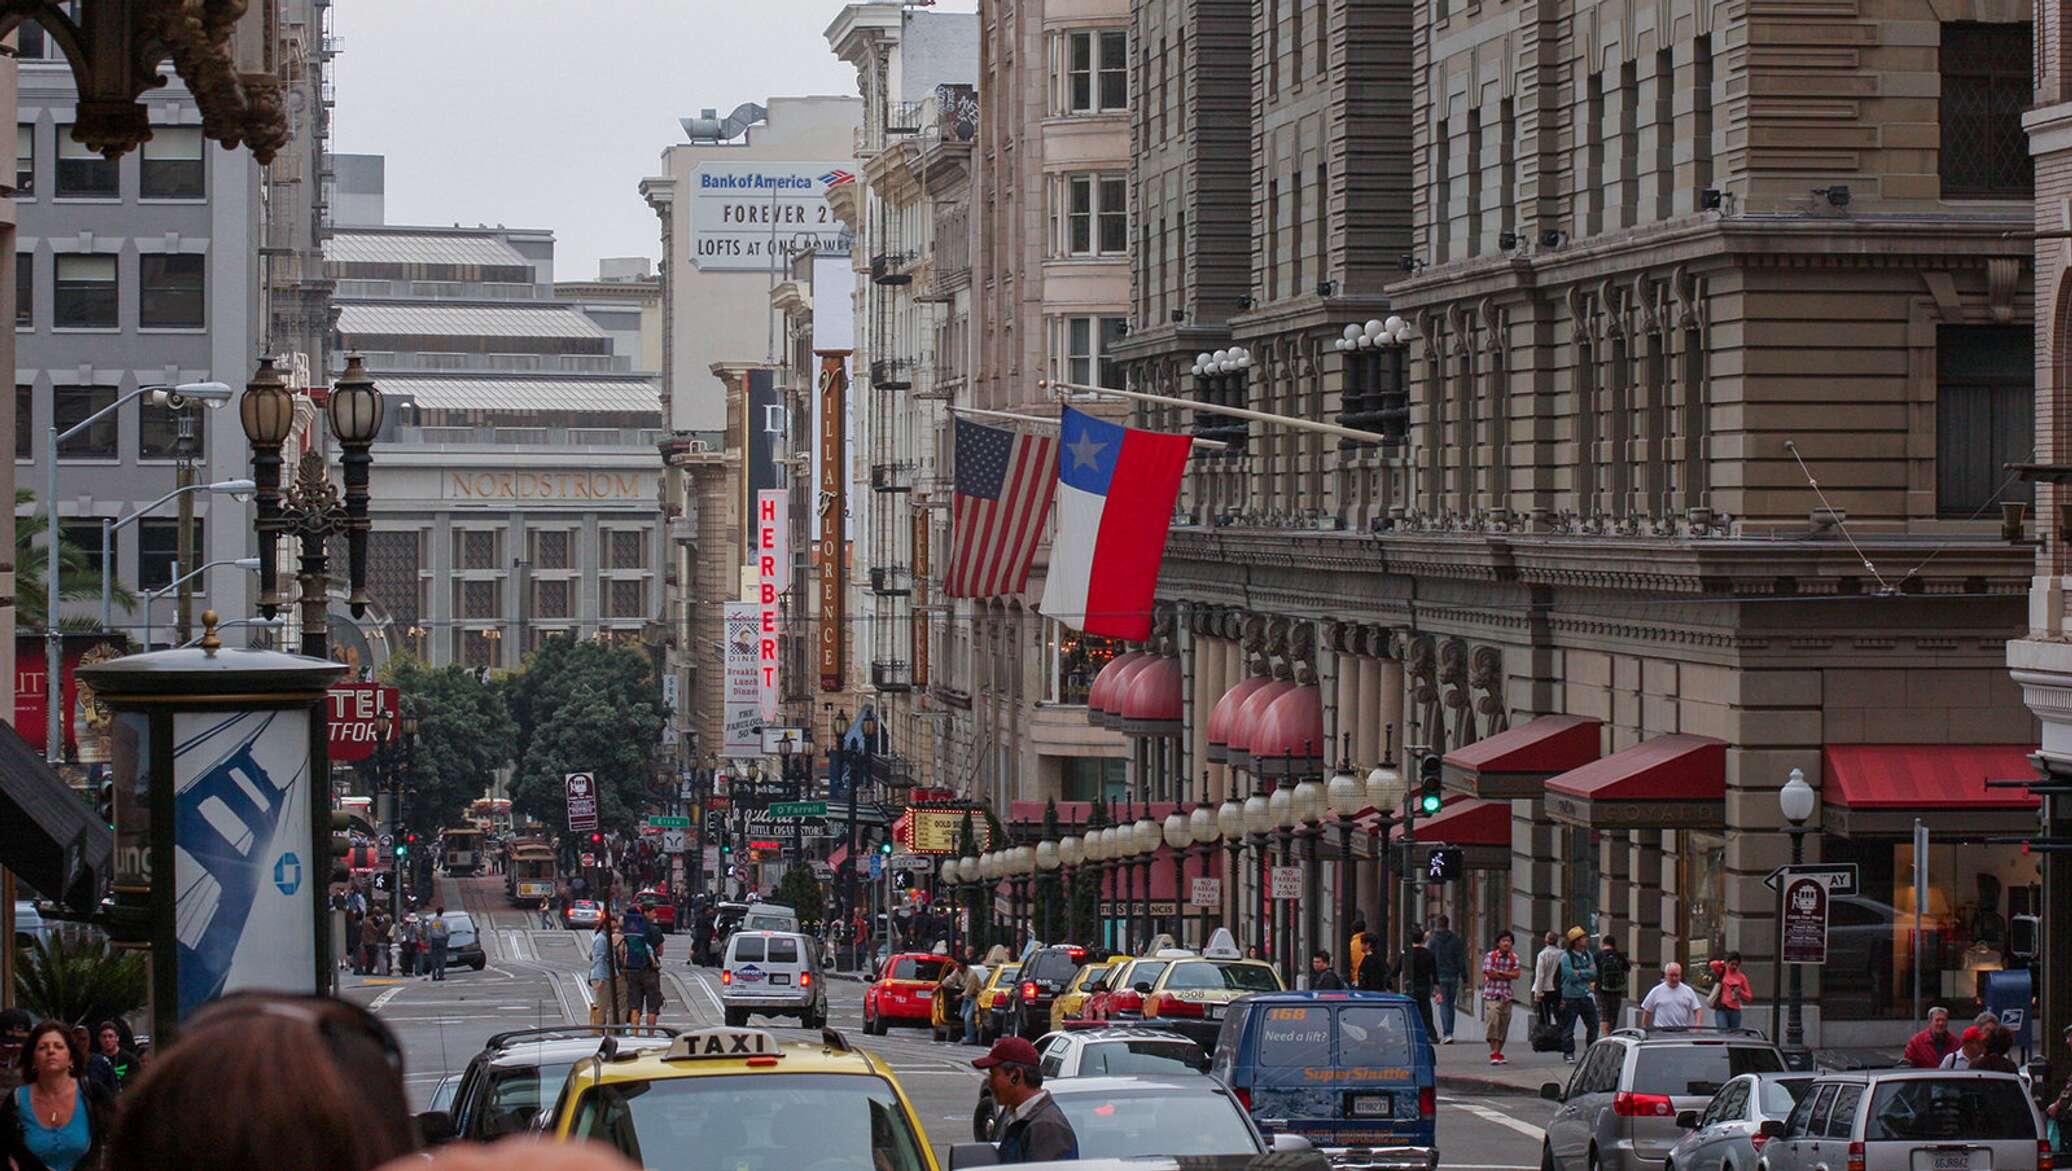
(773, 577)
(496, 485)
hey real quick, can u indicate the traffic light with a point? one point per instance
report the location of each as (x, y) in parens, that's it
(104, 802)
(596, 839)
(884, 847)
(1429, 798)
(726, 843)
(341, 846)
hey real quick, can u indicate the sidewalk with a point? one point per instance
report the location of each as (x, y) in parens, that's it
(1464, 1065)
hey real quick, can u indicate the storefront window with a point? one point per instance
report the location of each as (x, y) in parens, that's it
(1579, 878)
(1075, 659)
(1092, 778)
(1973, 889)
(1703, 881)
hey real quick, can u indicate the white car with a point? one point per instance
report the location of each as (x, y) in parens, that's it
(1118, 1051)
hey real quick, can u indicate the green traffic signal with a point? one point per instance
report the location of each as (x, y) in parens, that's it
(884, 847)
(1429, 797)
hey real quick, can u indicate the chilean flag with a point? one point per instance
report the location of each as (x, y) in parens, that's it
(1115, 494)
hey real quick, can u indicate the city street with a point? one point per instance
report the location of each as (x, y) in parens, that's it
(536, 977)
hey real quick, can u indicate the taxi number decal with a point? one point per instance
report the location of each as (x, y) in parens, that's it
(1287, 1014)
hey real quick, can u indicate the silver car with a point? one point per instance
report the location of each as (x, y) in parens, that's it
(1726, 1135)
(1909, 1120)
(1618, 1111)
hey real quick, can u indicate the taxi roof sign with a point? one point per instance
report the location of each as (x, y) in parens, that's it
(702, 1044)
(1222, 946)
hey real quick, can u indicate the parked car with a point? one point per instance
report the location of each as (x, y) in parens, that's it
(769, 917)
(1618, 1111)
(1910, 1120)
(1351, 1073)
(505, 1085)
(1192, 994)
(1726, 1135)
(463, 942)
(773, 973)
(1138, 1117)
(1077, 990)
(1104, 1052)
(904, 991)
(658, 908)
(1044, 977)
(581, 913)
(1121, 994)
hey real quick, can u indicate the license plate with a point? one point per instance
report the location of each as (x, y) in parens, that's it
(924, 994)
(779, 978)
(1952, 1161)
(1212, 1012)
(1384, 1106)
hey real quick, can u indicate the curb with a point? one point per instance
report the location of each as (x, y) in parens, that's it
(1485, 1085)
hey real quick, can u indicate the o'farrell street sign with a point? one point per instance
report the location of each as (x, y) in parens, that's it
(799, 809)
(1838, 877)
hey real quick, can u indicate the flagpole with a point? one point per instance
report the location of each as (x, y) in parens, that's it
(1237, 412)
(1210, 444)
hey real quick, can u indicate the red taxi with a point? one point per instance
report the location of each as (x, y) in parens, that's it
(903, 992)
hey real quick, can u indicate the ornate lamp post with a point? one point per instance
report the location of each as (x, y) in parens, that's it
(1230, 824)
(1385, 792)
(1112, 887)
(1071, 854)
(1147, 835)
(1201, 828)
(1179, 836)
(1280, 810)
(1309, 811)
(1259, 823)
(1345, 796)
(1795, 801)
(1048, 860)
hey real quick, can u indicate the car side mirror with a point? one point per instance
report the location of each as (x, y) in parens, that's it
(435, 1127)
(1551, 1091)
(1687, 1120)
(964, 1155)
(1143, 987)
(1283, 1142)
(1771, 1128)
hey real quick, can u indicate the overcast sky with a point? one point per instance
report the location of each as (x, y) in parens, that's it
(548, 113)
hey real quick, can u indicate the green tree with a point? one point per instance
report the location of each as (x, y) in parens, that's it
(585, 706)
(1085, 915)
(80, 982)
(800, 891)
(78, 580)
(464, 736)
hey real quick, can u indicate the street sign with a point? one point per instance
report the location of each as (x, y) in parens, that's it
(799, 809)
(823, 871)
(353, 719)
(1205, 892)
(877, 865)
(675, 841)
(589, 861)
(581, 790)
(774, 736)
(1805, 919)
(1443, 864)
(660, 821)
(388, 842)
(912, 863)
(1286, 882)
(1838, 877)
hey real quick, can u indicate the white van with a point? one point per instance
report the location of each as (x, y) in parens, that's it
(773, 973)
(769, 917)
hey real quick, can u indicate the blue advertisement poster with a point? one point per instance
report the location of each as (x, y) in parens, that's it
(242, 854)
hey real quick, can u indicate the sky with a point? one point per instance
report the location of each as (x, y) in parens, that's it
(548, 113)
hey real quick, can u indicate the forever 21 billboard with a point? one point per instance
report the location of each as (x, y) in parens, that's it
(743, 213)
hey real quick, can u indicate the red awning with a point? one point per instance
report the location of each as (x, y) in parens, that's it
(839, 855)
(1247, 721)
(1878, 789)
(1468, 821)
(1288, 738)
(902, 826)
(1517, 761)
(1149, 705)
(1670, 782)
(1124, 679)
(1101, 695)
(1223, 717)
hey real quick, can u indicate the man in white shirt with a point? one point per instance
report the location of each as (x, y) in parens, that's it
(1971, 1047)
(1672, 1004)
(1546, 985)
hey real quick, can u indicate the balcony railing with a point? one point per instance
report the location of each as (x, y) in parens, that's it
(890, 675)
(891, 581)
(892, 374)
(1375, 396)
(886, 268)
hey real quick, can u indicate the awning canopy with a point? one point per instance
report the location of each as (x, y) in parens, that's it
(1288, 739)
(1223, 717)
(1125, 677)
(1670, 782)
(838, 855)
(1101, 696)
(1875, 790)
(51, 839)
(1246, 723)
(1516, 763)
(1481, 828)
(1150, 704)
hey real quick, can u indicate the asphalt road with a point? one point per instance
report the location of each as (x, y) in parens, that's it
(536, 976)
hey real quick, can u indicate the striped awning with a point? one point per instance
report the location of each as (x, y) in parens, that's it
(381, 319)
(459, 393)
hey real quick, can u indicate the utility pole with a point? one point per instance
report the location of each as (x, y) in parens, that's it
(184, 477)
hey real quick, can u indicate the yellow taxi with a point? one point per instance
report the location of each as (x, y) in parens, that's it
(992, 1001)
(736, 1096)
(1076, 992)
(1192, 992)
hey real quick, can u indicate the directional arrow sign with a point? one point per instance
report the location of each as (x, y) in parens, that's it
(798, 809)
(1839, 877)
(661, 822)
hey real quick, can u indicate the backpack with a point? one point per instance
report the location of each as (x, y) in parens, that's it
(634, 935)
(437, 933)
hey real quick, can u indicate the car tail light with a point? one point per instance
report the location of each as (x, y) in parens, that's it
(805, 979)
(1167, 1004)
(2044, 1159)
(1645, 1106)
(1077, 953)
(1028, 990)
(1244, 1097)
(1856, 1157)
(725, 977)
(1126, 1002)
(1756, 1139)
(1427, 1101)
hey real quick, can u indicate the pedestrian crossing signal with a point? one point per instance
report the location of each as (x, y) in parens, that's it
(1444, 864)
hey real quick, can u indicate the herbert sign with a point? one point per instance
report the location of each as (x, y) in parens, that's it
(581, 789)
(354, 719)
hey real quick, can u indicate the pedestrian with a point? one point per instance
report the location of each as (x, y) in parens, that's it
(974, 983)
(640, 951)
(1546, 985)
(1672, 1004)
(606, 997)
(1730, 991)
(436, 937)
(1033, 1128)
(1321, 977)
(1356, 948)
(1576, 977)
(1971, 1048)
(1373, 972)
(15, 1024)
(109, 1041)
(946, 1011)
(341, 1107)
(99, 1070)
(1927, 1048)
(2061, 1108)
(1999, 1041)
(1501, 967)
(1612, 967)
(370, 942)
(546, 914)
(57, 1119)
(1419, 974)
(1252, 952)
(1450, 956)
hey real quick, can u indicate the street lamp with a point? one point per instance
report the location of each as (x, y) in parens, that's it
(1201, 826)
(1309, 803)
(181, 579)
(1385, 791)
(1179, 835)
(1122, 847)
(215, 394)
(1259, 823)
(1345, 796)
(1071, 855)
(1230, 824)
(1280, 809)
(1147, 835)
(237, 489)
(1094, 848)
(1048, 859)
(1795, 801)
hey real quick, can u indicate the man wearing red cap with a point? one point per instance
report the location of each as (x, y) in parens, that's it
(1033, 1129)
(1970, 1047)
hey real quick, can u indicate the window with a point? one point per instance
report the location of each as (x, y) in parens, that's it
(1701, 1069)
(84, 534)
(171, 165)
(549, 599)
(550, 548)
(71, 405)
(24, 421)
(1984, 415)
(25, 290)
(84, 294)
(170, 290)
(475, 549)
(84, 173)
(629, 549)
(1096, 72)
(1083, 346)
(1841, 1119)
(29, 42)
(1927, 1110)
(1096, 216)
(628, 599)
(158, 546)
(25, 157)
(475, 599)
(1985, 88)
(158, 431)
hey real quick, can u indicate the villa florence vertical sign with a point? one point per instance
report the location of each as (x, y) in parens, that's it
(834, 506)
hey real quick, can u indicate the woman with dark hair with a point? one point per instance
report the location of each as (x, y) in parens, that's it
(343, 1110)
(57, 1119)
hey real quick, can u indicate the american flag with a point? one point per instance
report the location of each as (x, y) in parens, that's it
(1004, 484)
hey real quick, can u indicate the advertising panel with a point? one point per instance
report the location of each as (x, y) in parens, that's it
(829, 546)
(773, 576)
(741, 707)
(353, 725)
(745, 213)
(934, 831)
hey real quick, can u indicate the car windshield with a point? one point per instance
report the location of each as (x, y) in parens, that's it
(442, 1094)
(1137, 1125)
(749, 1122)
(915, 968)
(1937, 1109)
(514, 1097)
(1146, 973)
(1781, 1094)
(1223, 977)
(1052, 965)
(1152, 1057)
(1699, 1070)
(748, 949)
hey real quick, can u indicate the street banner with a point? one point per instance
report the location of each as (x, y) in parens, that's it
(1205, 892)
(742, 706)
(242, 829)
(354, 719)
(831, 472)
(773, 577)
(1285, 882)
(1805, 919)
(581, 791)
